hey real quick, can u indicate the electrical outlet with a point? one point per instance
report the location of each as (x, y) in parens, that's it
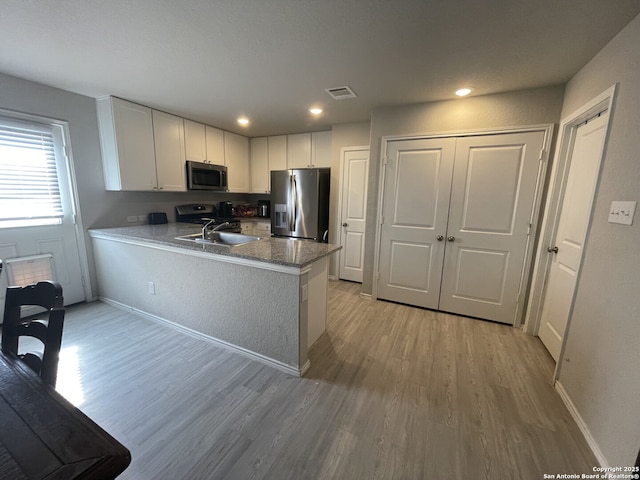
(132, 218)
(152, 288)
(622, 212)
(142, 218)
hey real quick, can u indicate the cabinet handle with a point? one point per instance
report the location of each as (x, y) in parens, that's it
(440, 238)
(451, 238)
(552, 249)
(345, 224)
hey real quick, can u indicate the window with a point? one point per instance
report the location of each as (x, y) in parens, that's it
(29, 189)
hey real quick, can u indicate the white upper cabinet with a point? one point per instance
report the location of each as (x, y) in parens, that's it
(236, 154)
(267, 154)
(215, 145)
(195, 141)
(277, 153)
(170, 152)
(259, 165)
(306, 150)
(321, 149)
(126, 139)
(299, 150)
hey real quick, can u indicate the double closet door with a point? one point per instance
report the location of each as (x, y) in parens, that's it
(455, 222)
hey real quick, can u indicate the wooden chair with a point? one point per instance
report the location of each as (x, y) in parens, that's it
(49, 331)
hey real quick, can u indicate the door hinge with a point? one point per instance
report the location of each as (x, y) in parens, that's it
(542, 152)
(529, 229)
(84, 282)
(66, 151)
(385, 160)
(381, 219)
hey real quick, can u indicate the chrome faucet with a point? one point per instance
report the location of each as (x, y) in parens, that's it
(214, 229)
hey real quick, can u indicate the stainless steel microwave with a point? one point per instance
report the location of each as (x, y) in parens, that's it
(206, 176)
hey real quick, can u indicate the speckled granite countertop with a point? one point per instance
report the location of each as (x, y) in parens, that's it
(281, 251)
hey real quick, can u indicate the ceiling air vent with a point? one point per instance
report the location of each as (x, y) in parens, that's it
(340, 93)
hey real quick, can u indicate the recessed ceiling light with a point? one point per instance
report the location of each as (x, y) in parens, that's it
(315, 110)
(463, 92)
(244, 121)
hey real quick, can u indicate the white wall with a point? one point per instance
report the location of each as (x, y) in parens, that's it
(528, 107)
(600, 373)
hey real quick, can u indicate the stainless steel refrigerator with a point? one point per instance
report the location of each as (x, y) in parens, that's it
(300, 203)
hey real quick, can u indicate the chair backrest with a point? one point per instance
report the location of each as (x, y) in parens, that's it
(49, 331)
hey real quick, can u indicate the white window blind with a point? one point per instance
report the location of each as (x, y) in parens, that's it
(29, 190)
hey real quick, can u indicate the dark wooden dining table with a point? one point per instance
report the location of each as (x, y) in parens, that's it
(42, 435)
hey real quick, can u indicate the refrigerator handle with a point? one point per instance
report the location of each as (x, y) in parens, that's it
(295, 203)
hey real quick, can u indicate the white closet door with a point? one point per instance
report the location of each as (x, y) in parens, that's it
(492, 197)
(415, 206)
(572, 231)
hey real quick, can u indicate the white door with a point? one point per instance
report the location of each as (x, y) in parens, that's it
(55, 243)
(493, 191)
(414, 220)
(574, 219)
(355, 171)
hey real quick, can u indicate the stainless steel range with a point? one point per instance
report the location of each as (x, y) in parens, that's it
(201, 213)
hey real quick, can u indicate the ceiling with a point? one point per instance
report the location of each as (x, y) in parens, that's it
(213, 60)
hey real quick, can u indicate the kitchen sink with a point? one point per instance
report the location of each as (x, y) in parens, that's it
(219, 238)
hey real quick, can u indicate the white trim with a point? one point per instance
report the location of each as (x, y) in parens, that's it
(343, 151)
(264, 265)
(581, 425)
(559, 172)
(547, 128)
(291, 370)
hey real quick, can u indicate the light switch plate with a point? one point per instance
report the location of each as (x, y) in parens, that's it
(622, 212)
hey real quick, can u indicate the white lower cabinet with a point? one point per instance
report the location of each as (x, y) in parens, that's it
(258, 228)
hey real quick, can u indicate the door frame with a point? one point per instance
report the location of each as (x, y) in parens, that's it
(547, 128)
(343, 151)
(553, 207)
(63, 127)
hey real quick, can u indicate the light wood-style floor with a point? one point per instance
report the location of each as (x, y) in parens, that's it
(394, 392)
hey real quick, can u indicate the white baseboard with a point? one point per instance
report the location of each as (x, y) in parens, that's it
(229, 346)
(581, 425)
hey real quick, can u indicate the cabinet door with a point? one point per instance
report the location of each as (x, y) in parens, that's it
(195, 141)
(278, 152)
(215, 145)
(133, 126)
(299, 150)
(236, 154)
(321, 149)
(260, 165)
(170, 152)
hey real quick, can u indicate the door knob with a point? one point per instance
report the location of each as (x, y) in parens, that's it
(345, 224)
(440, 238)
(451, 238)
(552, 249)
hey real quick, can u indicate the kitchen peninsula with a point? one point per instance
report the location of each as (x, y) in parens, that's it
(266, 299)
